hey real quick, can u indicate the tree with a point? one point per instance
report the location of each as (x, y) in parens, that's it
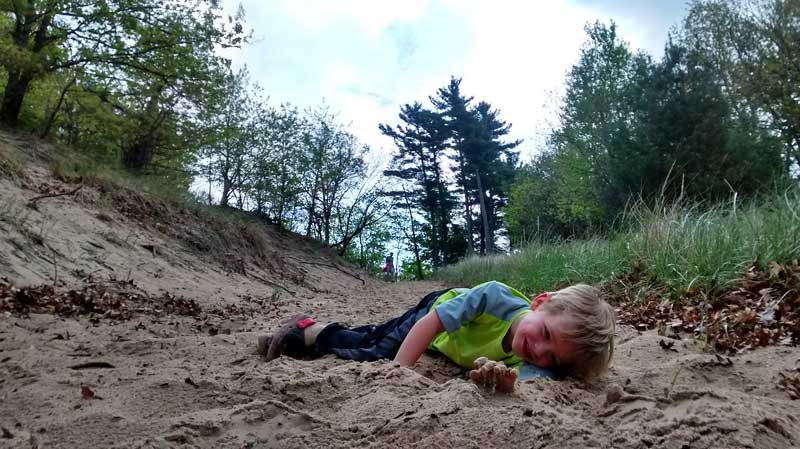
(483, 162)
(279, 164)
(228, 128)
(364, 208)
(171, 41)
(695, 135)
(597, 119)
(631, 126)
(421, 142)
(494, 163)
(460, 124)
(751, 45)
(336, 164)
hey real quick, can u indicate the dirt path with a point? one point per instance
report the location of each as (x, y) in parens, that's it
(169, 383)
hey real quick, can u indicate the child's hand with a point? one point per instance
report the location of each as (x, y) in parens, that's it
(493, 375)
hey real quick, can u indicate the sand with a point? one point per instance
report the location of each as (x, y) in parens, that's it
(161, 380)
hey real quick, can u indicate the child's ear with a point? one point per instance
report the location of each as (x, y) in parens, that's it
(539, 300)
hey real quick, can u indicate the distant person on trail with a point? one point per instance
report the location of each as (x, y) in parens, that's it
(388, 268)
(491, 329)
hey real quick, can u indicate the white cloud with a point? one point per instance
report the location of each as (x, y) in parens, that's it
(367, 58)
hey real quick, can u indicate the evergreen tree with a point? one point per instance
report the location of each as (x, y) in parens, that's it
(460, 123)
(494, 163)
(421, 142)
(484, 164)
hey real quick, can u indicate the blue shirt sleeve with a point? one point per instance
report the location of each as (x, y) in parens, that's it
(491, 297)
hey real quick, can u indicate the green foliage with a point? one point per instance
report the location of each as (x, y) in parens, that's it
(279, 166)
(484, 163)
(228, 136)
(288, 168)
(552, 197)
(751, 47)
(369, 249)
(409, 271)
(336, 168)
(149, 62)
(635, 128)
(483, 167)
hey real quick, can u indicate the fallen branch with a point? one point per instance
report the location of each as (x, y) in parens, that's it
(274, 284)
(363, 282)
(32, 201)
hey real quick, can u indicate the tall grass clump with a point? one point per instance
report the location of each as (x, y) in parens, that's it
(677, 245)
(707, 247)
(542, 265)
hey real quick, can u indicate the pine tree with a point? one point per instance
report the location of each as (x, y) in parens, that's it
(484, 164)
(421, 142)
(461, 128)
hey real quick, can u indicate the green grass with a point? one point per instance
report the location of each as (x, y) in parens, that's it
(159, 186)
(675, 246)
(10, 168)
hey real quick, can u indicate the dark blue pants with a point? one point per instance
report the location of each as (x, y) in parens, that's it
(372, 342)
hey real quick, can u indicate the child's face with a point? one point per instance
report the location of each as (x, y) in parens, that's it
(540, 340)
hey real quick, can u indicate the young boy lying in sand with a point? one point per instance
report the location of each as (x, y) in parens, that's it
(492, 328)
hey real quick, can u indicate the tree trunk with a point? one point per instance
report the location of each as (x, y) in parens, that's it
(467, 212)
(226, 193)
(14, 94)
(417, 259)
(18, 80)
(52, 117)
(487, 235)
(444, 219)
(136, 157)
(311, 209)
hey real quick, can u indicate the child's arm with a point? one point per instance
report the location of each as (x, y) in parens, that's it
(418, 339)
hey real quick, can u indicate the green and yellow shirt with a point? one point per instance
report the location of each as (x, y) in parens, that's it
(476, 320)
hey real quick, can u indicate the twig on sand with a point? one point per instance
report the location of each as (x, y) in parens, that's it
(289, 409)
(55, 267)
(363, 282)
(668, 390)
(32, 201)
(274, 284)
(92, 365)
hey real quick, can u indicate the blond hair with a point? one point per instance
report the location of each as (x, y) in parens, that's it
(592, 327)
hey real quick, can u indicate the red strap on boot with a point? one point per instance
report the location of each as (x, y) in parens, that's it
(304, 323)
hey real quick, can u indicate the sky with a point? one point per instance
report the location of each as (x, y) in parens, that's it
(366, 58)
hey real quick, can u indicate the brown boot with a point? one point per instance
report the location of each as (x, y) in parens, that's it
(288, 340)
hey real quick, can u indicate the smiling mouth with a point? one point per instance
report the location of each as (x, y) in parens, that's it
(526, 351)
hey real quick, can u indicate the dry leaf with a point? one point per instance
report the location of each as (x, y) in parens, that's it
(87, 392)
(667, 345)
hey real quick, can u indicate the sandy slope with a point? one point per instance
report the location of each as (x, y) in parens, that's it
(176, 381)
